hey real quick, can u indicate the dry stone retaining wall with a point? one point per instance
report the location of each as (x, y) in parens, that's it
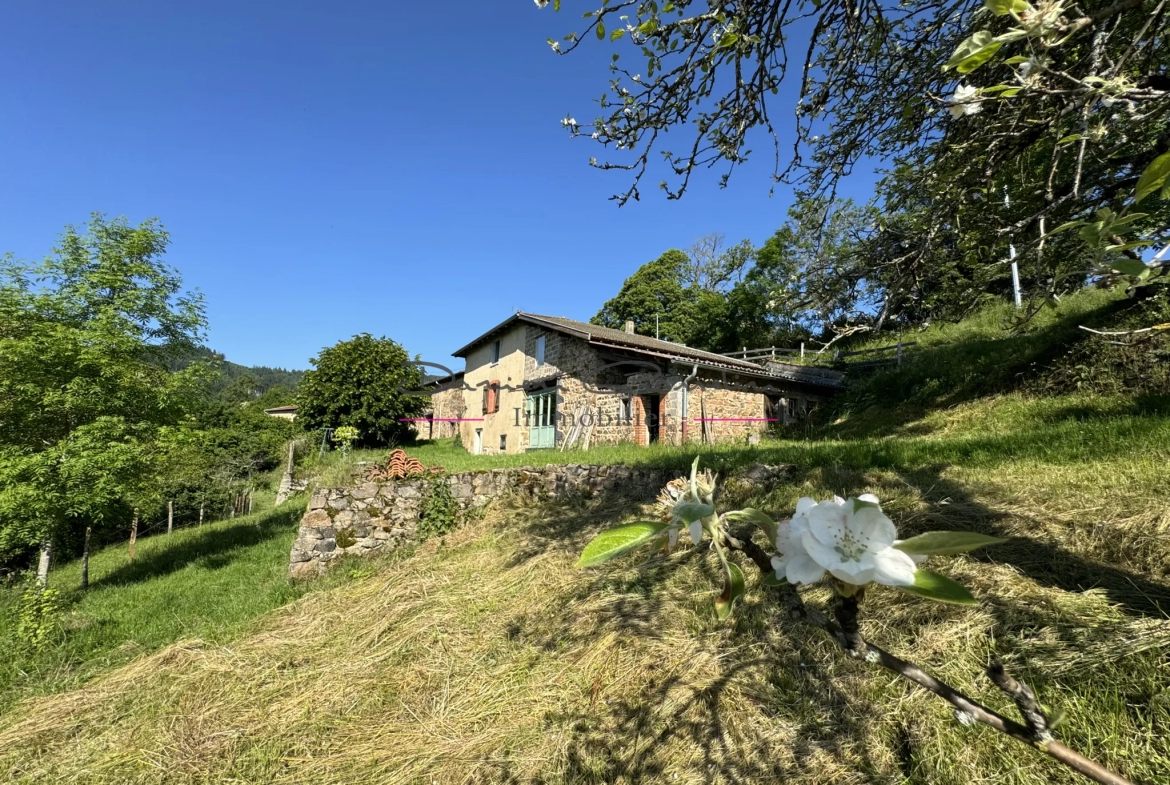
(383, 515)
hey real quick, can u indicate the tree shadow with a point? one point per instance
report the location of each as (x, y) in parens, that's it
(212, 549)
(1046, 562)
(625, 738)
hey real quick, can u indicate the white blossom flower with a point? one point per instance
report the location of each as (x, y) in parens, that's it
(854, 541)
(568, 121)
(961, 101)
(541, 3)
(1032, 65)
(794, 563)
(595, 135)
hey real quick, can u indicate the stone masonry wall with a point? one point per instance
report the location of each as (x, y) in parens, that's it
(381, 516)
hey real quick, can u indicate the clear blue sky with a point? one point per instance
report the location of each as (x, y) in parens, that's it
(327, 169)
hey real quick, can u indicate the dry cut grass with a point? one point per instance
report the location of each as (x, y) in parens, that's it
(488, 658)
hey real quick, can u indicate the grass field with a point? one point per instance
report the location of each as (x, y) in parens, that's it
(488, 658)
(209, 583)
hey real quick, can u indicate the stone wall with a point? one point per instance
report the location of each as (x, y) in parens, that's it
(381, 516)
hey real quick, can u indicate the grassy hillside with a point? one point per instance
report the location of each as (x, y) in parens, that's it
(488, 658)
(207, 582)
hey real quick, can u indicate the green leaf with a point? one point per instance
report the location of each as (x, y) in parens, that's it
(979, 58)
(1154, 177)
(612, 543)
(1128, 246)
(690, 512)
(770, 579)
(1091, 233)
(1129, 266)
(616, 34)
(1005, 7)
(1015, 60)
(973, 52)
(694, 474)
(1068, 139)
(600, 31)
(728, 39)
(733, 589)
(647, 27)
(939, 588)
(1065, 226)
(755, 516)
(946, 543)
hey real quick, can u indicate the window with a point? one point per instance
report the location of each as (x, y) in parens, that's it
(540, 350)
(503, 443)
(494, 356)
(626, 410)
(491, 397)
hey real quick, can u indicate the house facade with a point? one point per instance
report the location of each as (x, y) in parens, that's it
(544, 382)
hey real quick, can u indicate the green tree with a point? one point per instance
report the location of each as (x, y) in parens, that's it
(85, 338)
(656, 291)
(360, 382)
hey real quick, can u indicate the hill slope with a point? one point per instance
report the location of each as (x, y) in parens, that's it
(489, 658)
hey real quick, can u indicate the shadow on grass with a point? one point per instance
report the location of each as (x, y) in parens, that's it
(624, 738)
(1045, 562)
(212, 548)
(633, 736)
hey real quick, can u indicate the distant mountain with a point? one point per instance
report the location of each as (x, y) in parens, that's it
(265, 377)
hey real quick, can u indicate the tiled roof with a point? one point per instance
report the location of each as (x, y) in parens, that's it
(608, 336)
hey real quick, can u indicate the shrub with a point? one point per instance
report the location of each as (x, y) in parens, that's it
(39, 616)
(438, 512)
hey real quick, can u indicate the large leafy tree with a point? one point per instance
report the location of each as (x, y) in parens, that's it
(85, 338)
(996, 126)
(656, 296)
(360, 382)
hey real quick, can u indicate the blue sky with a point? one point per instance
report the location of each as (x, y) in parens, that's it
(327, 169)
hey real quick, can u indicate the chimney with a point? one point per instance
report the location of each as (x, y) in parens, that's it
(630, 326)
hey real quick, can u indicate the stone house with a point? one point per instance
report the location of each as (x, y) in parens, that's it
(543, 382)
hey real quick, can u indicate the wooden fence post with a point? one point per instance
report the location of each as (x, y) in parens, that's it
(200, 512)
(85, 561)
(170, 516)
(899, 351)
(133, 532)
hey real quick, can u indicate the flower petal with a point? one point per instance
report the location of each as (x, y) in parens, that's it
(824, 555)
(803, 505)
(871, 526)
(696, 531)
(917, 557)
(891, 567)
(826, 522)
(854, 573)
(802, 569)
(779, 566)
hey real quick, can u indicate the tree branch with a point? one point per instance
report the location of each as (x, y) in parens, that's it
(846, 632)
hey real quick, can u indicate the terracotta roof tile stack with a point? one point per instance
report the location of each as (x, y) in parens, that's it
(400, 466)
